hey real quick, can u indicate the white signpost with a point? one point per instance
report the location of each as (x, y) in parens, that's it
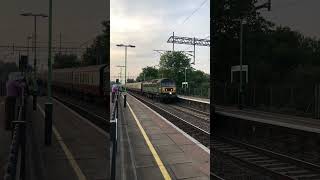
(184, 84)
(237, 68)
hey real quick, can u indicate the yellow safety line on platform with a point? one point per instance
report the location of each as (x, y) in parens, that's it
(66, 151)
(153, 151)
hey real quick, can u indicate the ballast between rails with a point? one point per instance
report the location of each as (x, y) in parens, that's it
(215, 176)
(196, 110)
(274, 164)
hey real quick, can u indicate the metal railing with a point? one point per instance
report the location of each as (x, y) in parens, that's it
(16, 161)
(114, 135)
(294, 99)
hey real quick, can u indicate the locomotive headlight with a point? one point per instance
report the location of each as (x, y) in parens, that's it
(170, 92)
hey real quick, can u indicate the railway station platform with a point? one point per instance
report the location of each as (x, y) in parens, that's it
(79, 149)
(150, 147)
(192, 98)
(277, 119)
(196, 103)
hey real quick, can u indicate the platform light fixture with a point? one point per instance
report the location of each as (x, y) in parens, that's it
(35, 49)
(125, 69)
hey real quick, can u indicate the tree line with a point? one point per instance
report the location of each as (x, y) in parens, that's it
(176, 66)
(95, 54)
(275, 54)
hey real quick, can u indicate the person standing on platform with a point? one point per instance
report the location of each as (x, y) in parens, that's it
(32, 84)
(14, 90)
(115, 89)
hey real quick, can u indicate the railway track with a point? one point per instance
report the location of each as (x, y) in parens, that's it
(276, 165)
(192, 112)
(194, 131)
(99, 121)
(214, 176)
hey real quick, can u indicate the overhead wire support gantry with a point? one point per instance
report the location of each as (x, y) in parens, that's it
(189, 41)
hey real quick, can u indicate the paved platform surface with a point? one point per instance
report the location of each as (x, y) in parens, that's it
(205, 100)
(78, 150)
(5, 139)
(177, 155)
(295, 122)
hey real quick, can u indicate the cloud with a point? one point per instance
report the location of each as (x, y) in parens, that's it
(148, 24)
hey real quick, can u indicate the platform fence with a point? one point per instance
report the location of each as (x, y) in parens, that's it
(282, 98)
(16, 159)
(196, 92)
(114, 134)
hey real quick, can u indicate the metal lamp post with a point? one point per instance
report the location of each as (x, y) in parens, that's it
(49, 105)
(125, 69)
(120, 77)
(185, 79)
(35, 50)
(28, 38)
(242, 22)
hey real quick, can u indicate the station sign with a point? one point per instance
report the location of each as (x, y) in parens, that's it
(184, 84)
(237, 68)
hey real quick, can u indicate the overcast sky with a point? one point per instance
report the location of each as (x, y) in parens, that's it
(300, 15)
(148, 24)
(77, 20)
(144, 23)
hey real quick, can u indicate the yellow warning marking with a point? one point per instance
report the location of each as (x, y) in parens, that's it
(66, 151)
(153, 151)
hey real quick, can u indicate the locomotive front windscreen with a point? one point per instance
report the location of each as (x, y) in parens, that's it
(168, 83)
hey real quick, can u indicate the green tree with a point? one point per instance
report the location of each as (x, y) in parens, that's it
(65, 61)
(148, 73)
(173, 64)
(226, 33)
(99, 51)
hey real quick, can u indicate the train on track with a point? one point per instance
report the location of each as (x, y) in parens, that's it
(162, 89)
(89, 81)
